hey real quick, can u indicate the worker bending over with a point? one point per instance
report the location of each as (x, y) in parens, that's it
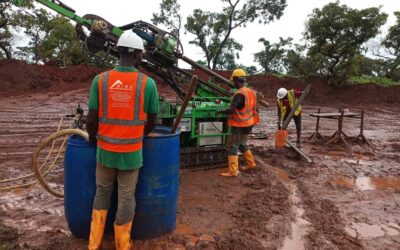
(123, 107)
(242, 116)
(286, 100)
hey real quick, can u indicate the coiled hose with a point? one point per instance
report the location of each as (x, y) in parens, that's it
(41, 168)
(43, 144)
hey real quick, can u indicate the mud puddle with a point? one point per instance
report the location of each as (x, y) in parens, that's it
(299, 227)
(364, 183)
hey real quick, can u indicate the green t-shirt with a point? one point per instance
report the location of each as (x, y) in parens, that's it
(131, 160)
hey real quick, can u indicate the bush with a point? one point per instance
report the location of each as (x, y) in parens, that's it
(373, 79)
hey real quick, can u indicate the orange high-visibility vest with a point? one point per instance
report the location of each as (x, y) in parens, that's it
(121, 111)
(292, 101)
(248, 115)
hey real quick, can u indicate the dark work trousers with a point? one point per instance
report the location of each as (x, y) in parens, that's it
(237, 140)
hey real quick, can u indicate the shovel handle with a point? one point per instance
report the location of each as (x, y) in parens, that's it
(192, 87)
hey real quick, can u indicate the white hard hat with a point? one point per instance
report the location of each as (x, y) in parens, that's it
(281, 93)
(130, 40)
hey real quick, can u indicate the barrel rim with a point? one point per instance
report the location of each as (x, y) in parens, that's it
(163, 129)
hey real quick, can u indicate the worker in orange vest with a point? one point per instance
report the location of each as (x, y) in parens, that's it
(242, 116)
(123, 107)
(286, 100)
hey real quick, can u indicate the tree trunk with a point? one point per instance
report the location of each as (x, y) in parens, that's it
(6, 51)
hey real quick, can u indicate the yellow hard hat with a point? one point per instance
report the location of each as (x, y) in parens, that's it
(238, 73)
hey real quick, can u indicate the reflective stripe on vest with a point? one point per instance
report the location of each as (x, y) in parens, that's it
(121, 111)
(248, 115)
(292, 100)
(119, 141)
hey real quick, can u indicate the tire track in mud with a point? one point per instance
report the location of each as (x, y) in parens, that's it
(316, 220)
(24, 123)
(328, 225)
(262, 217)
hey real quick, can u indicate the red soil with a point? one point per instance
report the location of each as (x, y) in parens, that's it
(18, 77)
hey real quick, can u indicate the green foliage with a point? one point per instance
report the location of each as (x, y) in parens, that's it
(365, 66)
(298, 63)
(5, 35)
(61, 45)
(52, 39)
(337, 33)
(372, 79)
(392, 45)
(212, 30)
(169, 16)
(272, 57)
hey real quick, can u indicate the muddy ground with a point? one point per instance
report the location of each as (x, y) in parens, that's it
(345, 199)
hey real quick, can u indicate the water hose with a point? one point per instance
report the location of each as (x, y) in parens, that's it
(41, 168)
(45, 143)
(32, 174)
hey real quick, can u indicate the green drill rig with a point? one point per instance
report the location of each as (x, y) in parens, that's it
(203, 132)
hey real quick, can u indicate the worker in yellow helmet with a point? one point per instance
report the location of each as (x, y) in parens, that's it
(242, 116)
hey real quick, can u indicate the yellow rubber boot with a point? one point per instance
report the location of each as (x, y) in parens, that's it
(251, 164)
(233, 166)
(97, 228)
(123, 236)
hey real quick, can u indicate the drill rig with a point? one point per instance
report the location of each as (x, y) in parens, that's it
(203, 132)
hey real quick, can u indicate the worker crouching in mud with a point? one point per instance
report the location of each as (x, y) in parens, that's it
(286, 100)
(242, 116)
(121, 100)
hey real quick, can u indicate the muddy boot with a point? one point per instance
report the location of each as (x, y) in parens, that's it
(233, 166)
(123, 236)
(250, 163)
(97, 228)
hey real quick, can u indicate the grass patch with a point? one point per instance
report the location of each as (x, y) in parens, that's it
(372, 79)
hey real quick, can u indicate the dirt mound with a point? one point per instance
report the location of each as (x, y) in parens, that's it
(18, 77)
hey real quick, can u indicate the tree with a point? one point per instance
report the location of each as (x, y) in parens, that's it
(213, 30)
(365, 66)
(5, 34)
(62, 43)
(297, 63)
(392, 49)
(169, 16)
(337, 33)
(37, 27)
(271, 58)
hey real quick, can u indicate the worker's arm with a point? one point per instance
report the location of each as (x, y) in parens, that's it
(151, 106)
(150, 124)
(279, 117)
(237, 103)
(92, 125)
(92, 119)
(297, 93)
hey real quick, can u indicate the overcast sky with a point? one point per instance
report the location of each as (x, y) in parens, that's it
(291, 23)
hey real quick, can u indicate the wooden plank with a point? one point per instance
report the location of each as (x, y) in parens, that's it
(335, 115)
(298, 151)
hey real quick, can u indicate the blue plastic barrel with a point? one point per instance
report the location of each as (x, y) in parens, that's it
(158, 184)
(80, 187)
(156, 191)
